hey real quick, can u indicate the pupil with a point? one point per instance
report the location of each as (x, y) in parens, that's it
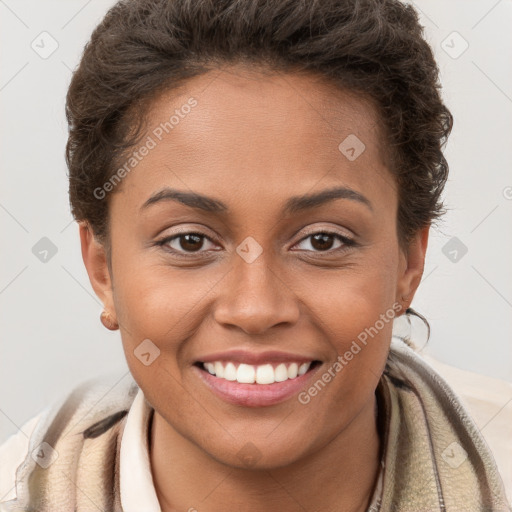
(190, 246)
(324, 239)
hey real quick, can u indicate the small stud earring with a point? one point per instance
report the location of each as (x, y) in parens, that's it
(405, 300)
(107, 321)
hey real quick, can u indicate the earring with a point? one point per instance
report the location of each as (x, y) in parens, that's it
(107, 321)
(412, 312)
(408, 332)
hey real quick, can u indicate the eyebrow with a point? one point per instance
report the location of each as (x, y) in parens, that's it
(292, 205)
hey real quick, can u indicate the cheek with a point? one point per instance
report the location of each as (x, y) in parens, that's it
(356, 312)
(155, 325)
(160, 304)
(154, 316)
(353, 299)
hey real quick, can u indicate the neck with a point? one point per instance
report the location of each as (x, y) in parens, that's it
(344, 471)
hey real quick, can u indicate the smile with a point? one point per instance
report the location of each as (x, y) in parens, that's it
(255, 385)
(260, 374)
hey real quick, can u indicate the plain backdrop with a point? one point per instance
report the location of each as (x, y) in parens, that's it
(51, 336)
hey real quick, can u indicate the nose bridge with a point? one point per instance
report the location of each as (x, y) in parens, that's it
(255, 297)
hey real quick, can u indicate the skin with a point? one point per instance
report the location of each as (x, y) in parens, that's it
(252, 142)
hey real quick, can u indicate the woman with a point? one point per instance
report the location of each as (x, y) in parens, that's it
(255, 183)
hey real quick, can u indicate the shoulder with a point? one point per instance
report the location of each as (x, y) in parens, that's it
(489, 402)
(481, 394)
(12, 453)
(450, 405)
(89, 408)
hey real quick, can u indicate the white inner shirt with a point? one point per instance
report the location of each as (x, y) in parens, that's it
(136, 482)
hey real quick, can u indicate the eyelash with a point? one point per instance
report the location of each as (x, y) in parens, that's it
(347, 243)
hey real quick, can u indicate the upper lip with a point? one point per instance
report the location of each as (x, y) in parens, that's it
(243, 356)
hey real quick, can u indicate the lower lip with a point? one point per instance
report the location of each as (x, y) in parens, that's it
(255, 395)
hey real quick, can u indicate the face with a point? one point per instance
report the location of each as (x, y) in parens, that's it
(246, 237)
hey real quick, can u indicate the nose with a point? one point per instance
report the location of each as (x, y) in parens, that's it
(256, 297)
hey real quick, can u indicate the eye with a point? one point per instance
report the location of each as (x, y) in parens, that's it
(185, 243)
(323, 241)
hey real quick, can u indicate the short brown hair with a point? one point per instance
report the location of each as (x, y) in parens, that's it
(373, 47)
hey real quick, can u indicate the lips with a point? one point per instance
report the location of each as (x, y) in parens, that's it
(260, 374)
(254, 380)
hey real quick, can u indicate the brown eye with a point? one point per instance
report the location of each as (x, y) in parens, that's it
(325, 241)
(191, 242)
(186, 243)
(322, 241)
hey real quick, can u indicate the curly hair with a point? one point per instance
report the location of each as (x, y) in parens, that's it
(375, 48)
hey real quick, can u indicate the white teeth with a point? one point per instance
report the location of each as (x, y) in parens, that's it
(261, 374)
(230, 372)
(219, 369)
(303, 368)
(265, 374)
(281, 373)
(245, 374)
(292, 370)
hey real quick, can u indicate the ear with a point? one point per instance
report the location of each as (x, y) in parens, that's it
(95, 260)
(411, 268)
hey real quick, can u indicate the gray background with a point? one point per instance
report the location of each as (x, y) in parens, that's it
(51, 337)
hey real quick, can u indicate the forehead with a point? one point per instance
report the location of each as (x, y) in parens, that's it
(271, 134)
